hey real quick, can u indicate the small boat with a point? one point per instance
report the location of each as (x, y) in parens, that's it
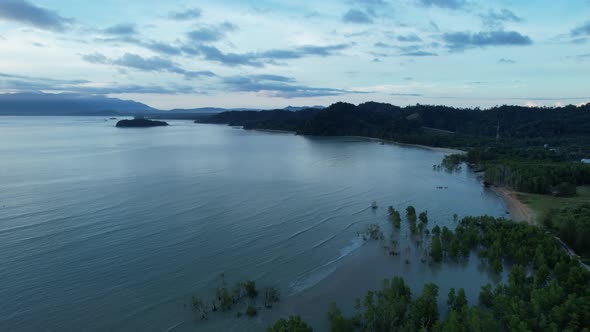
(374, 205)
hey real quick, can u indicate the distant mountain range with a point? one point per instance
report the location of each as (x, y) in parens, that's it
(299, 108)
(39, 103)
(208, 110)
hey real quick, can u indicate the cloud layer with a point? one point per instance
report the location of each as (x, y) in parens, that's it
(449, 4)
(27, 13)
(356, 16)
(148, 64)
(464, 40)
(318, 52)
(581, 30)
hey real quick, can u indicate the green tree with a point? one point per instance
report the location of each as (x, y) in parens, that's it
(436, 249)
(338, 323)
(486, 297)
(224, 298)
(395, 217)
(424, 310)
(423, 217)
(436, 230)
(461, 301)
(292, 324)
(452, 297)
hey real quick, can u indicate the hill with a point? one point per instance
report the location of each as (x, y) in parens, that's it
(38, 103)
(430, 125)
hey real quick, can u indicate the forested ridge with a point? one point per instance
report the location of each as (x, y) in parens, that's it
(431, 125)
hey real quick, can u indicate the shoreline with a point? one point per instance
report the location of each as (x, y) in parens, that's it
(427, 147)
(274, 131)
(374, 139)
(518, 210)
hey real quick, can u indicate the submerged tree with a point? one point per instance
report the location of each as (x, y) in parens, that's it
(271, 296)
(199, 307)
(436, 249)
(411, 213)
(423, 216)
(553, 296)
(250, 287)
(395, 217)
(224, 298)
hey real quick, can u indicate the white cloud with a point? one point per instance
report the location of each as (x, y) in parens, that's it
(287, 26)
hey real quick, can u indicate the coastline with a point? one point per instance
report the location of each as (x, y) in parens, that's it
(518, 210)
(432, 148)
(274, 131)
(521, 212)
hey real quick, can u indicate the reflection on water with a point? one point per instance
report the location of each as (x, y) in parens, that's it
(110, 228)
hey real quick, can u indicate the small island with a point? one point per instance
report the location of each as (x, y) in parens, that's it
(140, 123)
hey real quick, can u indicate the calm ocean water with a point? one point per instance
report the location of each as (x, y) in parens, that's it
(105, 228)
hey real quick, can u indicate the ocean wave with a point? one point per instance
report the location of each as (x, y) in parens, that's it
(314, 276)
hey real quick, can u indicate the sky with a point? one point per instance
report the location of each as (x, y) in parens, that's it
(270, 54)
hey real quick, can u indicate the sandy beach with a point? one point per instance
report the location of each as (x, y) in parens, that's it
(517, 209)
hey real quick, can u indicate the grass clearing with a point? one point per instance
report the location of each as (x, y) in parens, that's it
(540, 204)
(561, 207)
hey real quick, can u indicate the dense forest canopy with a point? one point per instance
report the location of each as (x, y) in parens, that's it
(432, 125)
